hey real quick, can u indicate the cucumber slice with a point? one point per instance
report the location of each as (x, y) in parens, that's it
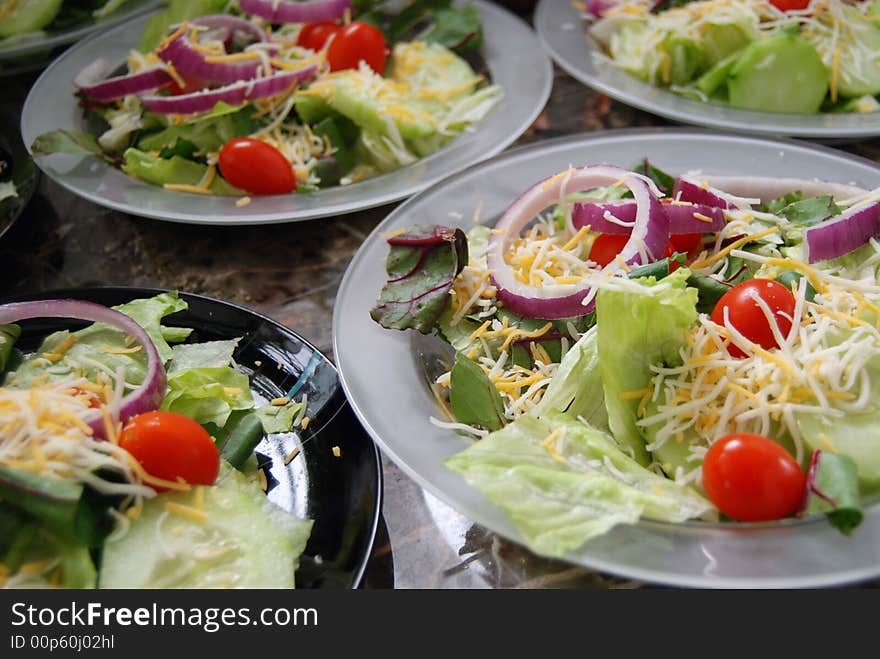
(244, 541)
(714, 78)
(29, 16)
(721, 40)
(781, 74)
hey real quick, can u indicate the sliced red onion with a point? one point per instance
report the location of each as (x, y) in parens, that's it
(697, 190)
(766, 189)
(234, 94)
(148, 396)
(310, 11)
(682, 217)
(648, 238)
(844, 233)
(188, 61)
(599, 8)
(232, 24)
(92, 81)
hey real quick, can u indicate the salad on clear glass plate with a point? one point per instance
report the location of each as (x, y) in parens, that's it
(382, 138)
(260, 98)
(658, 371)
(794, 56)
(139, 451)
(797, 69)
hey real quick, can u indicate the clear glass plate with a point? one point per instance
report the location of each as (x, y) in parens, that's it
(45, 42)
(384, 373)
(563, 32)
(52, 106)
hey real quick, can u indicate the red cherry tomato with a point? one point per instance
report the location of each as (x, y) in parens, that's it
(256, 166)
(171, 446)
(789, 5)
(355, 42)
(752, 479)
(748, 318)
(315, 35)
(606, 247)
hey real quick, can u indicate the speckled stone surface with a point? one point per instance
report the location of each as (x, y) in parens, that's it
(291, 273)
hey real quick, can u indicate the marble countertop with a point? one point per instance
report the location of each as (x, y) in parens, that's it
(291, 272)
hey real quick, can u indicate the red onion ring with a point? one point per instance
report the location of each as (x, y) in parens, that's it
(234, 94)
(118, 86)
(698, 191)
(148, 396)
(281, 11)
(189, 61)
(649, 235)
(681, 217)
(844, 233)
(771, 188)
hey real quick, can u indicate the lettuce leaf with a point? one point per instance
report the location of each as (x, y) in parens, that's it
(561, 494)
(209, 354)
(208, 395)
(635, 331)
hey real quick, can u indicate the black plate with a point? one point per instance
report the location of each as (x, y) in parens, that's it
(25, 174)
(341, 494)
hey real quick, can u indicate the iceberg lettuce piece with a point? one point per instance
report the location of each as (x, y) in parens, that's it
(208, 354)
(576, 389)
(635, 331)
(563, 482)
(208, 395)
(243, 541)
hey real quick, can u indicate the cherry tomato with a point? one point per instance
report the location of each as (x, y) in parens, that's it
(606, 247)
(752, 479)
(355, 42)
(315, 35)
(789, 5)
(256, 166)
(748, 318)
(171, 446)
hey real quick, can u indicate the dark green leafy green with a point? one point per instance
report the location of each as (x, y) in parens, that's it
(434, 21)
(791, 279)
(833, 489)
(74, 142)
(474, 399)
(807, 212)
(332, 168)
(421, 265)
(67, 508)
(182, 148)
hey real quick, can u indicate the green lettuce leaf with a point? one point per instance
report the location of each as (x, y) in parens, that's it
(209, 354)
(833, 489)
(473, 396)
(74, 142)
(635, 331)
(278, 418)
(8, 336)
(208, 395)
(578, 486)
(576, 389)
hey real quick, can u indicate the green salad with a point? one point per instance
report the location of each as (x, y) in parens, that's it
(260, 97)
(127, 457)
(796, 56)
(630, 345)
(29, 19)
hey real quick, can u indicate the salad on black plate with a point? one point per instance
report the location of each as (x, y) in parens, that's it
(127, 456)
